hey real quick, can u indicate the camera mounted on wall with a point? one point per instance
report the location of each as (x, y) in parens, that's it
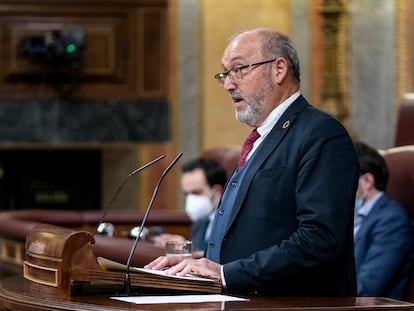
(55, 48)
(60, 53)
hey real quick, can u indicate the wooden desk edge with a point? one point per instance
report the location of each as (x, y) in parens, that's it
(13, 297)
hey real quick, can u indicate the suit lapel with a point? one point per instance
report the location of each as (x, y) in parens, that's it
(199, 230)
(267, 147)
(366, 222)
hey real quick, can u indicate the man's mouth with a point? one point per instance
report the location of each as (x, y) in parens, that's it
(236, 98)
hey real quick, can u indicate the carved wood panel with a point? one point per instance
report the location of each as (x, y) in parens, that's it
(124, 56)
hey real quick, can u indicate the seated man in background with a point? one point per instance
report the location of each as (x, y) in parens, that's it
(202, 182)
(382, 232)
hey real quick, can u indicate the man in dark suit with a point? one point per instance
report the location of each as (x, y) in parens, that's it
(284, 226)
(383, 236)
(202, 183)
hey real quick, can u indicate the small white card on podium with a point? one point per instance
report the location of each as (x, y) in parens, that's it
(178, 299)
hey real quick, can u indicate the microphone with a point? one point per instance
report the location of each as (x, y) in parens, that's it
(127, 280)
(121, 186)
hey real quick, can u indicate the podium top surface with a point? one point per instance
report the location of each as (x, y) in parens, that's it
(16, 295)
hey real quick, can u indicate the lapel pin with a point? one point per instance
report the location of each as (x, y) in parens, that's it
(286, 124)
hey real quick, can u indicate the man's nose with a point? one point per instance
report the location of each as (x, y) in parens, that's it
(228, 83)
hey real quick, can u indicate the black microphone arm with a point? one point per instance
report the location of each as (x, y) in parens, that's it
(127, 280)
(139, 169)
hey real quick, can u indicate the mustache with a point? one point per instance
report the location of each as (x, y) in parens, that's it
(236, 94)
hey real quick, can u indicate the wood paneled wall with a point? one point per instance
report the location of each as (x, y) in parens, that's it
(125, 53)
(125, 60)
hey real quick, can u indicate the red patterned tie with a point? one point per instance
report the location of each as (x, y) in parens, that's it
(247, 146)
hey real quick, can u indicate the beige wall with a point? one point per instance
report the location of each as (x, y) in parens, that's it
(219, 19)
(203, 114)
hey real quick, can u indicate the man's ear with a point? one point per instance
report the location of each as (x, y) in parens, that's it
(218, 190)
(280, 69)
(369, 180)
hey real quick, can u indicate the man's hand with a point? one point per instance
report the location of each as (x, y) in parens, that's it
(176, 265)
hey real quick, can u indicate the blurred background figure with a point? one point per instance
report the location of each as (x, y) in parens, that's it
(202, 182)
(382, 232)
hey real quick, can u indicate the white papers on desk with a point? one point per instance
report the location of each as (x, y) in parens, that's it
(178, 299)
(110, 264)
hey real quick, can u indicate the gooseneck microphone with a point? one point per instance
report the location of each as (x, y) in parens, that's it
(127, 280)
(120, 188)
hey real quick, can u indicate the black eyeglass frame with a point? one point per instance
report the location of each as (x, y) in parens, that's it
(221, 76)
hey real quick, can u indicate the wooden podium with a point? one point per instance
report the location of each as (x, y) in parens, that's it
(55, 256)
(58, 260)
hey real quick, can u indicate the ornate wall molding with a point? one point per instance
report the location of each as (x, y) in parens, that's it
(335, 78)
(401, 54)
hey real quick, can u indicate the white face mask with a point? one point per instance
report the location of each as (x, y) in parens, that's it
(198, 206)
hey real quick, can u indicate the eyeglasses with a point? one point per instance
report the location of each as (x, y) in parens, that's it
(236, 74)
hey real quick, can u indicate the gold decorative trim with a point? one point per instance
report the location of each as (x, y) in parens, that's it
(32, 272)
(343, 60)
(334, 96)
(11, 251)
(401, 9)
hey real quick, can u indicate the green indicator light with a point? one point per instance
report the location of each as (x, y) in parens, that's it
(70, 48)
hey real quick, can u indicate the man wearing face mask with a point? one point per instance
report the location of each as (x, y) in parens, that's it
(383, 237)
(202, 182)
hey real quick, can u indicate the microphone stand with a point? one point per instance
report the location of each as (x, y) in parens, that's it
(127, 280)
(121, 186)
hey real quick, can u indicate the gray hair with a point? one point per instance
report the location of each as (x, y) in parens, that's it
(276, 44)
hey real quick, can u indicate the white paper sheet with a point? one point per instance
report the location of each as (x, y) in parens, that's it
(178, 299)
(110, 264)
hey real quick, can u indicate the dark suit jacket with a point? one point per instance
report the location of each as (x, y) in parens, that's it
(291, 228)
(383, 246)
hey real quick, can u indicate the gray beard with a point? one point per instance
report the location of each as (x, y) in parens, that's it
(254, 107)
(249, 116)
(255, 104)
